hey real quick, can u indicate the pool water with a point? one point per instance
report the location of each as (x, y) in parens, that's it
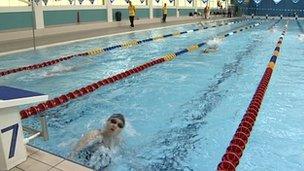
(182, 114)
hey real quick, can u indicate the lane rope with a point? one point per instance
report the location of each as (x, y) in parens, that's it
(103, 50)
(94, 86)
(234, 151)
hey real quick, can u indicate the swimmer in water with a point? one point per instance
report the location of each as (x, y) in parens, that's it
(273, 29)
(212, 45)
(210, 49)
(57, 70)
(94, 148)
(301, 37)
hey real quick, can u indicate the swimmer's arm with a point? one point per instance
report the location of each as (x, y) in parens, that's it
(86, 139)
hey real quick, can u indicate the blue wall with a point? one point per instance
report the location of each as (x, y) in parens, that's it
(70, 16)
(142, 13)
(158, 13)
(185, 12)
(15, 20)
(285, 7)
(124, 14)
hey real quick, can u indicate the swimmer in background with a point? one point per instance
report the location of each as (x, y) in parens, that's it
(212, 45)
(59, 69)
(94, 148)
(273, 29)
(301, 37)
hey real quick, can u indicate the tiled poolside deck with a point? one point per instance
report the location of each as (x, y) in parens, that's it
(39, 160)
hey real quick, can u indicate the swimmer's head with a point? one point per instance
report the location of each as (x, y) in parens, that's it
(205, 51)
(118, 116)
(115, 124)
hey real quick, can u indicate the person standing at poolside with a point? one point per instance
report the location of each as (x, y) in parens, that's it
(206, 11)
(165, 12)
(132, 13)
(229, 12)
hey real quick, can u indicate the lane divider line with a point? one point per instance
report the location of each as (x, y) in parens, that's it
(41, 107)
(95, 51)
(234, 151)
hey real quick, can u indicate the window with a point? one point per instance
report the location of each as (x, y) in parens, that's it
(169, 4)
(159, 3)
(11, 3)
(124, 2)
(185, 3)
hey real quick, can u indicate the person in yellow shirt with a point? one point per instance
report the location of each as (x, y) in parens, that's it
(132, 12)
(165, 12)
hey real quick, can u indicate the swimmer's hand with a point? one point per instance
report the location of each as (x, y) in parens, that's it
(93, 135)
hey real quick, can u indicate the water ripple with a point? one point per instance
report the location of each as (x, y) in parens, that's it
(178, 142)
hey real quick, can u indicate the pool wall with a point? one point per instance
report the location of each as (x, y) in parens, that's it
(56, 17)
(15, 20)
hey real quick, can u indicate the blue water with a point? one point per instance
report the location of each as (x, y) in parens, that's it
(181, 114)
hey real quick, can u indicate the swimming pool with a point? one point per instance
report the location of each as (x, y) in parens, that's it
(180, 114)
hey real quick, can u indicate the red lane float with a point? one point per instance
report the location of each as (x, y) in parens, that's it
(36, 66)
(85, 90)
(234, 151)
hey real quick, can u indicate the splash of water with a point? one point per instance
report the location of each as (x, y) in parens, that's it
(214, 42)
(213, 45)
(59, 69)
(301, 37)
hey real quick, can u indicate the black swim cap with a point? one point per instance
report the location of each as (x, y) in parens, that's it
(118, 116)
